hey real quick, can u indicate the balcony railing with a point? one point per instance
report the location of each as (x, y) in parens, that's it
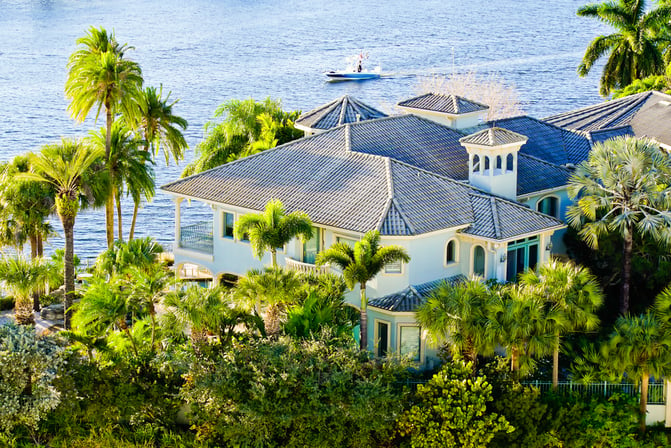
(197, 237)
(305, 268)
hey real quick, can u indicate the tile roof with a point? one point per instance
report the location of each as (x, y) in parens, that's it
(345, 109)
(337, 186)
(494, 137)
(448, 104)
(547, 141)
(647, 113)
(408, 299)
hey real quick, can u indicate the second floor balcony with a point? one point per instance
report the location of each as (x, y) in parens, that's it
(197, 237)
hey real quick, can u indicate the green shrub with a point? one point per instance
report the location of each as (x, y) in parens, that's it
(451, 411)
(6, 303)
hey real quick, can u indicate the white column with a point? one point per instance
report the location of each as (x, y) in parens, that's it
(178, 221)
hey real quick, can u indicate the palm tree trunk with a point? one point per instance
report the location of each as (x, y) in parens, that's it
(514, 359)
(34, 254)
(643, 409)
(136, 206)
(130, 338)
(69, 268)
(626, 270)
(117, 198)
(109, 205)
(272, 320)
(555, 364)
(273, 257)
(364, 319)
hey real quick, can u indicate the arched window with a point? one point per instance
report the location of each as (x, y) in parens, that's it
(498, 162)
(510, 162)
(476, 164)
(451, 252)
(479, 261)
(549, 205)
(486, 162)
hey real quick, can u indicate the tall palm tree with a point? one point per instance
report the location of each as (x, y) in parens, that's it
(570, 290)
(130, 166)
(273, 287)
(65, 166)
(360, 265)
(457, 315)
(99, 75)
(272, 229)
(636, 48)
(22, 277)
(624, 187)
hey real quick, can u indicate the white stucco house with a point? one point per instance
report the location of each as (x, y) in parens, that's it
(462, 195)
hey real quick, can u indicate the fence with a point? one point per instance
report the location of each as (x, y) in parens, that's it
(606, 389)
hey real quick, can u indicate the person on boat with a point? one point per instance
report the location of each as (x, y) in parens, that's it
(358, 65)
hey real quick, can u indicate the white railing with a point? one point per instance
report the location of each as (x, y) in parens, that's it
(305, 268)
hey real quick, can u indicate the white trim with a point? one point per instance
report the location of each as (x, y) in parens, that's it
(376, 337)
(192, 254)
(541, 192)
(542, 198)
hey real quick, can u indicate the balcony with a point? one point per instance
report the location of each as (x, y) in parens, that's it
(197, 237)
(305, 268)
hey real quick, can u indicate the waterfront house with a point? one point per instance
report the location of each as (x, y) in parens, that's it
(463, 195)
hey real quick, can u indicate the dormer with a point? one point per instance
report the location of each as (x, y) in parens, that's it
(492, 160)
(344, 110)
(449, 110)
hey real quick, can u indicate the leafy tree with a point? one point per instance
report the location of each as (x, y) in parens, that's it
(569, 290)
(286, 393)
(451, 411)
(636, 48)
(29, 367)
(22, 277)
(360, 265)
(273, 287)
(457, 315)
(622, 188)
(661, 83)
(98, 74)
(64, 166)
(247, 127)
(130, 166)
(272, 229)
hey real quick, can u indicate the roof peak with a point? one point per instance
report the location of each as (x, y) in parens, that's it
(446, 103)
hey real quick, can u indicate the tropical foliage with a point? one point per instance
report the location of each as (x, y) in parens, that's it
(247, 127)
(623, 188)
(23, 277)
(635, 50)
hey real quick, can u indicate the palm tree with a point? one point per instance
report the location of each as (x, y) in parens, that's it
(570, 290)
(457, 315)
(99, 74)
(130, 166)
(141, 253)
(148, 287)
(624, 187)
(274, 287)
(65, 166)
(22, 277)
(636, 46)
(640, 347)
(360, 265)
(272, 229)
(161, 130)
(521, 324)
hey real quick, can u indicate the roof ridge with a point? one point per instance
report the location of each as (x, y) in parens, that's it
(343, 110)
(348, 139)
(635, 103)
(320, 111)
(400, 211)
(495, 218)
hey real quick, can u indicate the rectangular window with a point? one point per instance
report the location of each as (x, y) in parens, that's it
(522, 255)
(394, 268)
(410, 342)
(312, 247)
(349, 241)
(228, 220)
(382, 339)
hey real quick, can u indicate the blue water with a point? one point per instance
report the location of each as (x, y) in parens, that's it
(207, 52)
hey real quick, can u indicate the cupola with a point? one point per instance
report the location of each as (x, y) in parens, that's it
(492, 160)
(449, 110)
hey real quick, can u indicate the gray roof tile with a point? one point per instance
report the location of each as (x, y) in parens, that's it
(448, 104)
(343, 110)
(493, 137)
(327, 177)
(408, 299)
(648, 114)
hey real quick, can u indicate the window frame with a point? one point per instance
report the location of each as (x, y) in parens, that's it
(472, 264)
(455, 258)
(223, 225)
(376, 336)
(557, 205)
(399, 332)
